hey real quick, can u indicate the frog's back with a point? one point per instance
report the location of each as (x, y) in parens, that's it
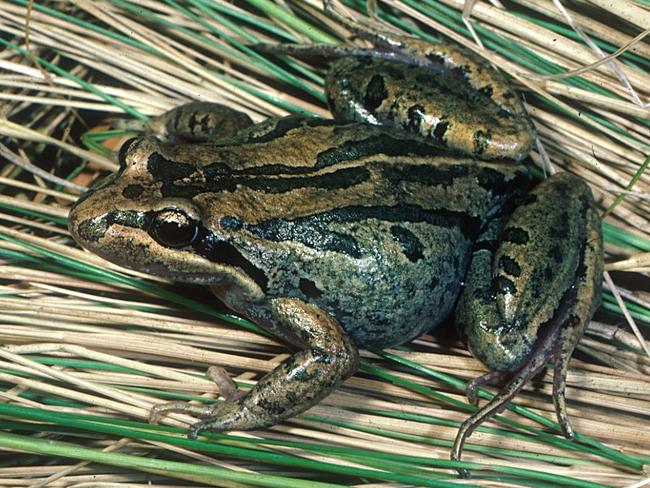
(373, 228)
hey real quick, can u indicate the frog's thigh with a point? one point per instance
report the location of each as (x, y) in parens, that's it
(514, 291)
(327, 357)
(588, 296)
(533, 296)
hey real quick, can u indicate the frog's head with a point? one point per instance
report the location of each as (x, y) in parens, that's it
(143, 217)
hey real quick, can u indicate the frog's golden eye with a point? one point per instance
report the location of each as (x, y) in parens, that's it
(172, 227)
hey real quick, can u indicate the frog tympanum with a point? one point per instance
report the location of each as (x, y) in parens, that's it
(363, 231)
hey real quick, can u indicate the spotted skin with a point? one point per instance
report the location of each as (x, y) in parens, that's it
(327, 356)
(360, 231)
(360, 215)
(191, 122)
(457, 115)
(446, 94)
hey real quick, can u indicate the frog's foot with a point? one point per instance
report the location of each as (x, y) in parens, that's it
(543, 352)
(227, 389)
(386, 45)
(341, 51)
(326, 357)
(561, 360)
(162, 409)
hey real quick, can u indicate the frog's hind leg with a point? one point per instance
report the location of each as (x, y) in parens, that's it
(386, 45)
(588, 293)
(326, 357)
(530, 292)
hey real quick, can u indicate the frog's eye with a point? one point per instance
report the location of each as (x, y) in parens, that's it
(173, 228)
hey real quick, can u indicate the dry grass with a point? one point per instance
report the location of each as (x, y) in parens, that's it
(84, 338)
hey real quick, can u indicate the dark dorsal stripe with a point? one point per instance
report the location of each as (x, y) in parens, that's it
(313, 230)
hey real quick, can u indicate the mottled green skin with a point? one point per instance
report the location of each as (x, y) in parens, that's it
(380, 242)
(336, 235)
(507, 300)
(446, 96)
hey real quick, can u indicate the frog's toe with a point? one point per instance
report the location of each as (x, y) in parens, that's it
(227, 387)
(560, 407)
(162, 409)
(220, 417)
(491, 378)
(204, 425)
(196, 428)
(462, 472)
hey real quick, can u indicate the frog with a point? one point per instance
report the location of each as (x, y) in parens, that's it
(411, 205)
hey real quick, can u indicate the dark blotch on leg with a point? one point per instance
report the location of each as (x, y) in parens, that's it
(510, 266)
(486, 90)
(481, 141)
(440, 130)
(132, 191)
(309, 288)
(436, 58)
(503, 285)
(505, 113)
(415, 118)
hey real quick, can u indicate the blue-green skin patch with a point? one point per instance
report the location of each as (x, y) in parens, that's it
(371, 232)
(360, 231)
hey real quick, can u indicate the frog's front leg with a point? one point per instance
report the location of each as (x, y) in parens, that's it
(326, 357)
(192, 122)
(530, 292)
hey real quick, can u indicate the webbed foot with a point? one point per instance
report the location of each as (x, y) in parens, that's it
(543, 352)
(227, 388)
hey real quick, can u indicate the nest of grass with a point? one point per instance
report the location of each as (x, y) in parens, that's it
(88, 348)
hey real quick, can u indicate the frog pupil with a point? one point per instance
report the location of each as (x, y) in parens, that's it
(173, 228)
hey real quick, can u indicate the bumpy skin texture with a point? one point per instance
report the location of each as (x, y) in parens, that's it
(335, 235)
(340, 213)
(506, 301)
(439, 92)
(463, 107)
